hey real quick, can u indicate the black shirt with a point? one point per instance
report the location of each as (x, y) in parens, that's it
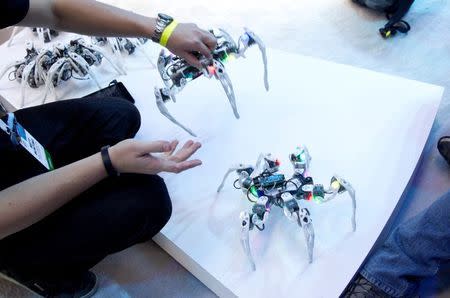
(12, 12)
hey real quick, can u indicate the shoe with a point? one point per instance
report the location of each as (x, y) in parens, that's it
(83, 286)
(444, 148)
(362, 288)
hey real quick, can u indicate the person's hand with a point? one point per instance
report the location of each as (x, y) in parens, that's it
(187, 39)
(142, 157)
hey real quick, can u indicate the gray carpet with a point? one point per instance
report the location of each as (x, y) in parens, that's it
(334, 30)
(141, 271)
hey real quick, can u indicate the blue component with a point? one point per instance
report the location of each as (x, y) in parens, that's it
(272, 181)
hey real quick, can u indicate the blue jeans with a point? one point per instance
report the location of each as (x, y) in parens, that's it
(413, 251)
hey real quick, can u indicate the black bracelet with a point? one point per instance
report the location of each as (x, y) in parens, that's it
(107, 162)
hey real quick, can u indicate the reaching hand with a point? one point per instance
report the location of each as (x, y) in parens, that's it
(141, 157)
(187, 39)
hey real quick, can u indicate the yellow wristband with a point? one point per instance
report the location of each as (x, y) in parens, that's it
(167, 33)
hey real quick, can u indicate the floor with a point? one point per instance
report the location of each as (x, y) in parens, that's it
(337, 31)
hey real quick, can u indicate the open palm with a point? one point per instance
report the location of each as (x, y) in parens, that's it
(133, 156)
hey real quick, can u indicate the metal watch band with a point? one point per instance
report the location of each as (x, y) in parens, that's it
(162, 22)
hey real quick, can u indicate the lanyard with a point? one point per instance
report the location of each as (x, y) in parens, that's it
(13, 129)
(3, 126)
(10, 127)
(20, 136)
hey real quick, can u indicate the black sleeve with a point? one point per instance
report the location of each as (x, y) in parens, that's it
(12, 12)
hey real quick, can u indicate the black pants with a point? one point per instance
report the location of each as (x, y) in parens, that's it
(111, 216)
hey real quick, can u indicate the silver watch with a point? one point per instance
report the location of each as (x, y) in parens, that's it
(162, 22)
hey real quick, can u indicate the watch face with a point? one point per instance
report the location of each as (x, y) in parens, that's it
(165, 17)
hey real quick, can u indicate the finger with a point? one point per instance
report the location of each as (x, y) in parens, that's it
(186, 152)
(174, 145)
(209, 40)
(204, 50)
(187, 144)
(179, 156)
(182, 166)
(192, 60)
(144, 147)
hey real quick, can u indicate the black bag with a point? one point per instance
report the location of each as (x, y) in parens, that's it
(115, 89)
(395, 10)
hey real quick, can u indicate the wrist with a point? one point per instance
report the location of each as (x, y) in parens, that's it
(164, 27)
(167, 33)
(107, 162)
(148, 26)
(96, 160)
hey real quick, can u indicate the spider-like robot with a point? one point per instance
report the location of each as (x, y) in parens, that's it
(265, 187)
(176, 72)
(50, 67)
(44, 34)
(123, 44)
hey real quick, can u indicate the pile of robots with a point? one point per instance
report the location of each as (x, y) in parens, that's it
(49, 67)
(54, 64)
(45, 35)
(119, 45)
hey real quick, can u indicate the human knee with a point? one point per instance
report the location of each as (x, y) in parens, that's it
(151, 203)
(121, 119)
(161, 204)
(130, 118)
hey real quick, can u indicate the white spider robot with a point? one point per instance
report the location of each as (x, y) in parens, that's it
(126, 45)
(44, 34)
(176, 72)
(265, 187)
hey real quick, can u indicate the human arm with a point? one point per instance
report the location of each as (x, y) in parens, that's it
(25, 203)
(98, 19)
